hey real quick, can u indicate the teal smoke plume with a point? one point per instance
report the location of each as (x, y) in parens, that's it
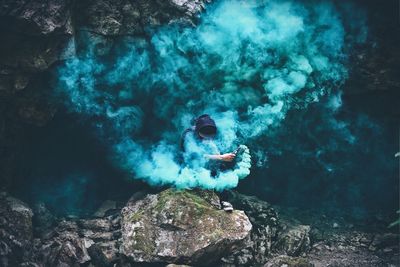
(245, 64)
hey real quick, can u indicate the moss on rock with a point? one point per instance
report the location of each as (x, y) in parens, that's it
(181, 226)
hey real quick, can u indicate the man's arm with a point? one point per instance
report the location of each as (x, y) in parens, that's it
(228, 157)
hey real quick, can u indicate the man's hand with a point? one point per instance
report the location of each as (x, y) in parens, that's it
(228, 157)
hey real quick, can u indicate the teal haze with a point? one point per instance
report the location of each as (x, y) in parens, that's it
(246, 65)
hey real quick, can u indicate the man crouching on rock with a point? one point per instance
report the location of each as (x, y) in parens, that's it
(198, 146)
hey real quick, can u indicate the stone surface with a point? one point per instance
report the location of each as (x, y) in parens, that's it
(111, 18)
(16, 232)
(349, 244)
(62, 247)
(104, 253)
(43, 17)
(288, 261)
(76, 242)
(34, 34)
(265, 223)
(294, 240)
(181, 227)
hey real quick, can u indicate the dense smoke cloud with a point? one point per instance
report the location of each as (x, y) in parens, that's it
(247, 65)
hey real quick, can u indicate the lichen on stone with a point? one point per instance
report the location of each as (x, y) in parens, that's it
(181, 226)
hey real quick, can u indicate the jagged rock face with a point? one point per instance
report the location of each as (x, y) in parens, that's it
(294, 240)
(266, 225)
(62, 247)
(270, 237)
(37, 34)
(15, 230)
(44, 17)
(34, 34)
(72, 243)
(101, 23)
(181, 227)
(113, 18)
(41, 241)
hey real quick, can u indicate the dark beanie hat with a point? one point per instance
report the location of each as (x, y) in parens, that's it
(206, 123)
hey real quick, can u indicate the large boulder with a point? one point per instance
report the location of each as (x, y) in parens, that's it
(181, 227)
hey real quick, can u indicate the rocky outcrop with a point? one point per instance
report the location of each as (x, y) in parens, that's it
(181, 227)
(186, 227)
(150, 228)
(76, 242)
(62, 247)
(37, 34)
(102, 238)
(16, 233)
(100, 24)
(265, 223)
(113, 18)
(270, 236)
(294, 240)
(70, 242)
(40, 17)
(169, 227)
